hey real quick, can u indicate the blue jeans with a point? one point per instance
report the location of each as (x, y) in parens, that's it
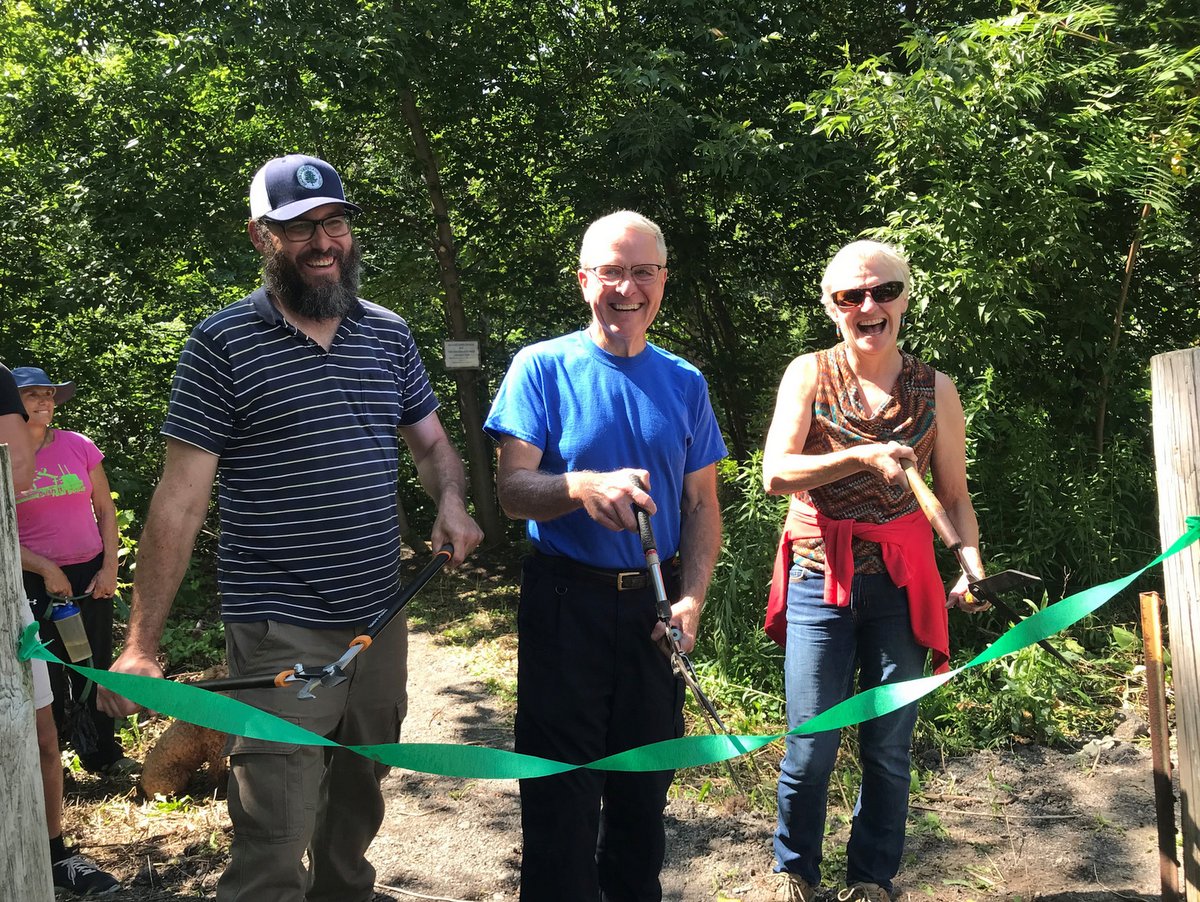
(825, 644)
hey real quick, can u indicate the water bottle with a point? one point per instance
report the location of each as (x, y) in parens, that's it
(66, 616)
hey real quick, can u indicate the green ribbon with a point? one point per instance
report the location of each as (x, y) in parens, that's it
(227, 715)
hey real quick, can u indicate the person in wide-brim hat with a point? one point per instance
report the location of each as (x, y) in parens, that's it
(70, 547)
(36, 377)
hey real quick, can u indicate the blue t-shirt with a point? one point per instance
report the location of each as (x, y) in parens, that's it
(308, 454)
(590, 410)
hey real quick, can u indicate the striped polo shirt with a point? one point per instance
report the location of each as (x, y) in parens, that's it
(308, 454)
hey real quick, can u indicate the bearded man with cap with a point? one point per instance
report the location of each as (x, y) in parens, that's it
(291, 399)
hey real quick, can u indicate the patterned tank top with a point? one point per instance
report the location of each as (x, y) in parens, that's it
(839, 420)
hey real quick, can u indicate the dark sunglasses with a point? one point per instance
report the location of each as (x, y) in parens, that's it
(881, 294)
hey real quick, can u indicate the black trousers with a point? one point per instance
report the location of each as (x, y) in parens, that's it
(96, 746)
(590, 683)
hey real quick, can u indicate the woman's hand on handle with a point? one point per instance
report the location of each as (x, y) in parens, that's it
(961, 598)
(885, 459)
(104, 583)
(56, 581)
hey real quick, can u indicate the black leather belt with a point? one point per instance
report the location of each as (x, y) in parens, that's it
(621, 580)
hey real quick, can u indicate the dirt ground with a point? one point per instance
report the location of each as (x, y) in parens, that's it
(1023, 823)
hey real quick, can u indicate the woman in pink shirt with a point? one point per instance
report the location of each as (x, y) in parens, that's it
(69, 541)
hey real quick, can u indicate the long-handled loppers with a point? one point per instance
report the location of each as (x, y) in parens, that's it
(988, 588)
(680, 662)
(335, 673)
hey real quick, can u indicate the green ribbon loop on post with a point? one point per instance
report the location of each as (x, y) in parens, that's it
(227, 715)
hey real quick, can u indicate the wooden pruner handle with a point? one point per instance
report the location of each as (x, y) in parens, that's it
(931, 506)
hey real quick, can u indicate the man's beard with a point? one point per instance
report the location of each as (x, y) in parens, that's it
(322, 301)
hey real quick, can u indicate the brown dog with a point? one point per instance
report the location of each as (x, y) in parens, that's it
(178, 756)
(182, 750)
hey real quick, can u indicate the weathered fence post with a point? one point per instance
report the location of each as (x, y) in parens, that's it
(1160, 745)
(24, 852)
(1175, 387)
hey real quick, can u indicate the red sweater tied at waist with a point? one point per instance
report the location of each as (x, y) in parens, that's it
(907, 547)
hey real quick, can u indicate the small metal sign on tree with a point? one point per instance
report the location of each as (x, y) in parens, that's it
(479, 456)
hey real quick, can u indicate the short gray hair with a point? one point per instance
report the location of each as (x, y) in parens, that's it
(857, 251)
(622, 220)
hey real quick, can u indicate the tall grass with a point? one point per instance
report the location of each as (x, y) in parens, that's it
(734, 650)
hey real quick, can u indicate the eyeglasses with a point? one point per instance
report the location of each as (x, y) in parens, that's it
(611, 274)
(880, 294)
(304, 229)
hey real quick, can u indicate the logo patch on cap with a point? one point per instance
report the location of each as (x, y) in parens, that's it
(309, 177)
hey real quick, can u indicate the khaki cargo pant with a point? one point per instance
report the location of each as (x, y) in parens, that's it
(285, 800)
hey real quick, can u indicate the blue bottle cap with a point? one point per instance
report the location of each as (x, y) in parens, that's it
(63, 610)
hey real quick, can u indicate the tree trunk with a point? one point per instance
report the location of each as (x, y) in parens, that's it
(479, 457)
(1175, 389)
(1118, 316)
(24, 852)
(713, 321)
(729, 375)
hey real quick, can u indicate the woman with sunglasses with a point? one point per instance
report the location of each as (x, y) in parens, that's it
(856, 586)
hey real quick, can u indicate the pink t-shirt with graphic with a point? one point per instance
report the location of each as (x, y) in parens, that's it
(55, 518)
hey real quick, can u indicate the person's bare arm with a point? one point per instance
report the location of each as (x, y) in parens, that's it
(15, 434)
(177, 512)
(52, 575)
(949, 466)
(699, 545)
(527, 493)
(787, 469)
(440, 470)
(104, 583)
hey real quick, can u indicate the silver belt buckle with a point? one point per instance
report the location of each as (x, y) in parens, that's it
(621, 587)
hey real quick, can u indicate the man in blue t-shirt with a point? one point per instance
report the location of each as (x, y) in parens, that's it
(291, 400)
(576, 419)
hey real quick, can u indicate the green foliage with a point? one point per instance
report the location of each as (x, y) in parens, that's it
(193, 646)
(166, 112)
(194, 637)
(732, 644)
(1011, 157)
(1010, 153)
(1031, 696)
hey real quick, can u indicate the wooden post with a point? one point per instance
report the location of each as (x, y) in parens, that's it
(1160, 745)
(1175, 387)
(24, 851)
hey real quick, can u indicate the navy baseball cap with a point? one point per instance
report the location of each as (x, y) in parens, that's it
(287, 187)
